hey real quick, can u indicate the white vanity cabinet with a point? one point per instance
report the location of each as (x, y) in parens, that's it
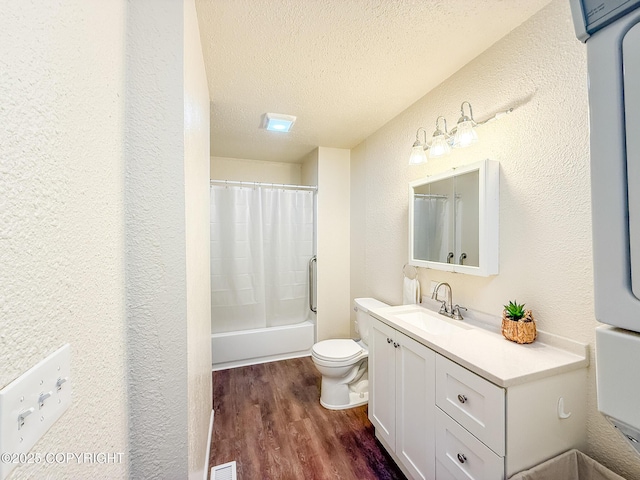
(439, 419)
(488, 432)
(470, 424)
(402, 376)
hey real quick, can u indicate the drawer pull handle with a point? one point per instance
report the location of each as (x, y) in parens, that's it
(389, 340)
(462, 398)
(462, 458)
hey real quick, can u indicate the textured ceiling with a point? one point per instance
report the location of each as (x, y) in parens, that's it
(343, 67)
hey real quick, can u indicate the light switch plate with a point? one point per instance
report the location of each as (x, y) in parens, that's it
(30, 405)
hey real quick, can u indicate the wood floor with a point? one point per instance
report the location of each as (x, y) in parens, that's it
(268, 418)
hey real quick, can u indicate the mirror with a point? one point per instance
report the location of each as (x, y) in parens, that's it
(453, 220)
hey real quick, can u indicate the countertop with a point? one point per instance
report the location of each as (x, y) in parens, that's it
(477, 344)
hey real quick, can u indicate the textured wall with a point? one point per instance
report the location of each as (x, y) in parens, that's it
(334, 299)
(310, 168)
(155, 240)
(62, 80)
(545, 224)
(196, 175)
(240, 169)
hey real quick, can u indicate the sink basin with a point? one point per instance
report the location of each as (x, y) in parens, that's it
(429, 322)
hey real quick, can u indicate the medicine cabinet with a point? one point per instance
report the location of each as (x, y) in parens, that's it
(453, 220)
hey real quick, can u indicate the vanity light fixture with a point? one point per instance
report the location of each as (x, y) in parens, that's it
(418, 155)
(440, 141)
(462, 135)
(465, 130)
(277, 122)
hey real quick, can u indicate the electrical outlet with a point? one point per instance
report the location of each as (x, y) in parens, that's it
(31, 404)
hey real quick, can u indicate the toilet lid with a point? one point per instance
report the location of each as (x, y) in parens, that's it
(337, 349)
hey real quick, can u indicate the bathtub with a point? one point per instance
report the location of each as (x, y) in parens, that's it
(249, 347)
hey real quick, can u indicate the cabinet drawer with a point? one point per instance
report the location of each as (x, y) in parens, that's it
(461, 456)
(475, 403)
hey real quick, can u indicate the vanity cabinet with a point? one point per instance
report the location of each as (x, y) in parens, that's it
(484, 431)
(470, 424)
(401, 377)
(440, 420)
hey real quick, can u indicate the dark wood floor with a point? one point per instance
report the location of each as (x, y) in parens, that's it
(268, 418)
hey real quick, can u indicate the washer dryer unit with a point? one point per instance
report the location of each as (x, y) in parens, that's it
(611, 30)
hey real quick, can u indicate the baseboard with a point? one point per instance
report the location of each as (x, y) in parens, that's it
(208, 455)
(258, 361)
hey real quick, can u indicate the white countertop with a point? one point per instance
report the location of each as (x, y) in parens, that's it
(480, 347)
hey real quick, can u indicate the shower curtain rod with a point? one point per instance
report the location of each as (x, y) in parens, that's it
(430, 195)
(264, 184)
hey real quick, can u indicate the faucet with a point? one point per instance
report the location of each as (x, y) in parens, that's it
(447, 308)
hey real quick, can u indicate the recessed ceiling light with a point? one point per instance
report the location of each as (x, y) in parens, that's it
(277, 122)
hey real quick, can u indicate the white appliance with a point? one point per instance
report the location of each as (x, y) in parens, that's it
(611, 30)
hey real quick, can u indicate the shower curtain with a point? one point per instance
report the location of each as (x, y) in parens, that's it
(261, 241)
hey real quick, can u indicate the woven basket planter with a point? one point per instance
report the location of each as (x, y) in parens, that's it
(519, 331)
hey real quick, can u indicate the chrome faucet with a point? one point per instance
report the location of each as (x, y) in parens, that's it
(447, 308)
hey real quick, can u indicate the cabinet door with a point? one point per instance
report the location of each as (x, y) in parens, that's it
(415, 396)
(382, 379)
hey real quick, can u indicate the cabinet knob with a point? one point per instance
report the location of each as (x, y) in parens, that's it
(395, 345)
(462, 458)
(389, 340)
(462, 398)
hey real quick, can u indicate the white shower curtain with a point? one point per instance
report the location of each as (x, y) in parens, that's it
(261, 242)
(431, 235)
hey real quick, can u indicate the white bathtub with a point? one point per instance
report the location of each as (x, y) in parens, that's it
(249, 347)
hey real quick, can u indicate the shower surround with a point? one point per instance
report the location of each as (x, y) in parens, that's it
(262, 238)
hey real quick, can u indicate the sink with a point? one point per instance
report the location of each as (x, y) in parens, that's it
(429, 322)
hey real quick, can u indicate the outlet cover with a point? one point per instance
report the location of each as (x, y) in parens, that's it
(30, 405)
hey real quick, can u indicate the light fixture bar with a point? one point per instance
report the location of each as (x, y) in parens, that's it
(497, 116)
(462, 135)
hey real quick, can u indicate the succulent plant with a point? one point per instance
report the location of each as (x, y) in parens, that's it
(515, 311)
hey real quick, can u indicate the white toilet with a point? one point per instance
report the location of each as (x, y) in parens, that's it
(343, 362)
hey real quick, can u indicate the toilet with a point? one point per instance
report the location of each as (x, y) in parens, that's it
(343, 362)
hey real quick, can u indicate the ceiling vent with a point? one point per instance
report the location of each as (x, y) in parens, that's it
(277, 122)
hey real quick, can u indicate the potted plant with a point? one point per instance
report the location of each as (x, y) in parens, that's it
(518, 324)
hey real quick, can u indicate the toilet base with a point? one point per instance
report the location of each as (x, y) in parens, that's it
(336, 395)
(355, 400)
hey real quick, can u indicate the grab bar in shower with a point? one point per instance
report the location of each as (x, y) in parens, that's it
(312, 284)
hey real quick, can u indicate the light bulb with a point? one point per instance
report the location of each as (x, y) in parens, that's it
(417, 156)
(465, 134)
(439, 147)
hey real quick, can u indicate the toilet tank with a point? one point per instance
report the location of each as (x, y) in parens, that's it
(362, 306)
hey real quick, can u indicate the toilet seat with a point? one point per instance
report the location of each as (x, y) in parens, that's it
(338, 351)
